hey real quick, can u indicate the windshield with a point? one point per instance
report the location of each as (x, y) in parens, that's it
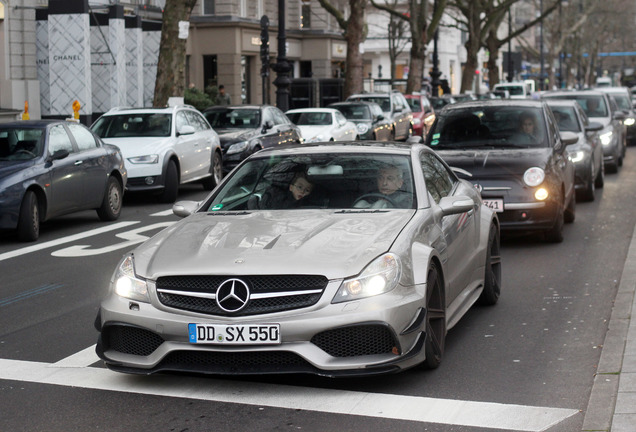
(415, 104)
(383, 101)
(332, 181)
(354, 112)
(234, 118)
(622, 101)
(493, 126)
(513, 90)
(566, 118)
(593, 105)
(19, 144)
(133, 125)
(310, 118)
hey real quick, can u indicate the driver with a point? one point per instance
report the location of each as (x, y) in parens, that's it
(390, 194)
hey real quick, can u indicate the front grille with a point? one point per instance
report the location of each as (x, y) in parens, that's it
(275, 293)
(235, 362)
(357, 340)
(130, 340)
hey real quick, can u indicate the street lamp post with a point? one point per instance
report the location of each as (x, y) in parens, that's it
(510, 71)
(282, 66)
(435, 73)
(541, 73)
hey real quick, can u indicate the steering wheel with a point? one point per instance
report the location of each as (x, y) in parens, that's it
(379, 196)
(25, 151)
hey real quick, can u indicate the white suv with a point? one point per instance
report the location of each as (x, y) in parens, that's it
(163, 147)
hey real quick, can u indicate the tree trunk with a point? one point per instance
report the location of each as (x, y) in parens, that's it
(473, 44)
(416, 67)
(492, 43)
(354, 35)
(170, 79)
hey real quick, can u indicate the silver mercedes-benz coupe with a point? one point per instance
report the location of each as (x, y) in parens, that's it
(334, 259)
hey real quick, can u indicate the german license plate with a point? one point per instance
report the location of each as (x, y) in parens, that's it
(223, 334)
(494, 204)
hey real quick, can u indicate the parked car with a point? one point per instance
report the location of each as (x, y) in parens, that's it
(49, 168)
(464, 97)
(320, 286)
(395, 107)
(601, 109)
(163, 148)
(587, 152)
(440, 102)
(516, 90)
(623, 100)
(513, 152)
(246, 129)
(368, 118)
(322, 124)
(423, 113)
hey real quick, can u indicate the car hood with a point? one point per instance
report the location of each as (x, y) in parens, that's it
(321, 242)
(605, 121)
(139, 146)
(309, 132)
(497, 163)
(8, 168)
(231, 136)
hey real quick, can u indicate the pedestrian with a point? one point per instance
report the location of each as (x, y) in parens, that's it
(223, 98)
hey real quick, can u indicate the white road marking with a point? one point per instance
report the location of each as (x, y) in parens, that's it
(163, 213)
(412, 408)
(64, 240)
(84, 358)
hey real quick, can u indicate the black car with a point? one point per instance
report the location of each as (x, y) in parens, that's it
(368, 118)
(53, 167)
(246, 129)
(622, 97)
(587, 152)
(513, 152)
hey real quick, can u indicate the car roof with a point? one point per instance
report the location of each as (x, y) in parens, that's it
(495, 102)
(301, 110)
(343, 147)
(32, 123)
(572, 92)
(374, 94)
(149, 110)
(561, 102)
(225, 107)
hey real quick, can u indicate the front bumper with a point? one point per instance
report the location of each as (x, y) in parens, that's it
(379, 334)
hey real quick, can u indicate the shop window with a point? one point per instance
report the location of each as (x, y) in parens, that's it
(208, 7)
(210, 77)
(305, 16)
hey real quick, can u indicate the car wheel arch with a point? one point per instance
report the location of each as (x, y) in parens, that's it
(40, 194)
(423, 256)
(167, 159)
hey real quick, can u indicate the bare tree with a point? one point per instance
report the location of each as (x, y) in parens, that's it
(396, 38)
(172, 52)
(422, 31)
(354, 32)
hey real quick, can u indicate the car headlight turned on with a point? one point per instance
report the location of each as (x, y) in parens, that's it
(629, 121)
(541, 194)
(379, 277)
(127, 284)
(534, 176)
(362, 128)
(237, 148)
(576, 156)
(146, 159)
(606, 138)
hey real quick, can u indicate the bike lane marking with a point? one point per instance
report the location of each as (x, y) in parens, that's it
(399, 407)
(64, 240)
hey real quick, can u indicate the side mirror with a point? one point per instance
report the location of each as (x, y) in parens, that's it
(593, 127)
(619, 116)
(185, 208)
(379, 117)
(568, 138)
(59, 154)
(186, 130)
(451, 205)
(267, 126)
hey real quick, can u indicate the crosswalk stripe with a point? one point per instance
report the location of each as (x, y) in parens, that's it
(399, 407)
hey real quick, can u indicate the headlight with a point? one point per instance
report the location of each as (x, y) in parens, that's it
(362, 128)
(534, 176)
(127, 284)
(379, 277)
(146, 159)
(606, 138)
(629, 121)
(237, 148)
(576, 156)
(541, 194)
(417, 121)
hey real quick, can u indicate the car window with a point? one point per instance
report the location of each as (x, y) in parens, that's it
(268, 116)
(593, 105)
(340, 119)
(383, 101)
(181, 120)
(192, 120)
(233, 118)
(59, 140)
(439, 182)
(133, 125)
(622, 101)
(83, 138)
(415, 104)
(17, 143)
(355, 112)
(310, 118)
(566, 118)
(203, 124)
(280, 118)
(332, 181)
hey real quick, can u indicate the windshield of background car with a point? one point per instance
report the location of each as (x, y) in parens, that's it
(234, 118)
(133, 125)
(383, 101)
(622, 101)
(514, 90)
(490, 127)
(355, 112)
(566, 118)
(327, 181)
(310, 118)
(18, 144)
(593, 105)
(415, 104)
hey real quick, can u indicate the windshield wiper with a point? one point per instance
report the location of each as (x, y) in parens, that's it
(361, 211)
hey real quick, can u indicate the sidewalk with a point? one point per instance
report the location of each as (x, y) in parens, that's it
(612, 405)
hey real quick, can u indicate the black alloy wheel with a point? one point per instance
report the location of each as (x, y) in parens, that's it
(435, 319)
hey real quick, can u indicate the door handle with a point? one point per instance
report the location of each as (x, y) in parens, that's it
(79, 162)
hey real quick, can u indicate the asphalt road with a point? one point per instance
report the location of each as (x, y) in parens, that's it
(527, 363)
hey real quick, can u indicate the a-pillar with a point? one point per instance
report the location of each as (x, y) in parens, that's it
(70, 58)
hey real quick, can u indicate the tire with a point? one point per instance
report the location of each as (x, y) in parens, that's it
(555, 234)
(29, 218)
(112, 202)
(435, 319)
(171, 185)
(492, 278)
(409, 133)
(612, 168)
(589, 193)
(599, 182)
(211, 182)
(570, 211)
